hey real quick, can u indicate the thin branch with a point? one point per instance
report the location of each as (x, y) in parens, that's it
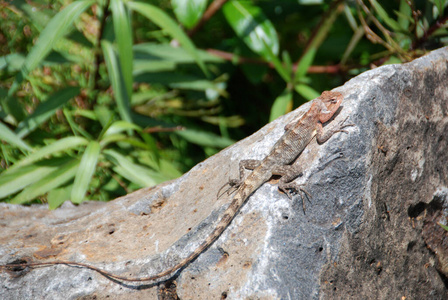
(238, 59)
(163, 129)
(211, 10)
(390, 43)
(334, 69)
(372, 36)
(248, 60)
(439, 23)
(316, 39)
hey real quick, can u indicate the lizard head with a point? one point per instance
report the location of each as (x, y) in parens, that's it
(331, 102)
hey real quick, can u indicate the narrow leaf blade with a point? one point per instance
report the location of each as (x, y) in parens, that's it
(189, 12)
(123, 35)
(55, 29)
(443, 226)
(161, 19)
(120, 126)
(305, 63)
(53, 180)
(55, 147)
(203, 138)
(118, 85)
(133, 172)
(45, 110)
(306, 91)
(383, 15)
(58, 196)
(252, 26)
(10, 137)
(85, 171)
(281, 105)
(12, 181)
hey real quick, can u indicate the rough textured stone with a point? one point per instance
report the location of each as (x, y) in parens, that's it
(370, 232)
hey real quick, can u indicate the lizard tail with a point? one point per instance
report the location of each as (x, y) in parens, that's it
(231, 211)
(238, 200)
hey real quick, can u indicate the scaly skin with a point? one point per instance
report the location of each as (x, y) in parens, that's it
(298, 134)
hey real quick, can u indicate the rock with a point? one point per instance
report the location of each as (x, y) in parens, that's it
(370, 231)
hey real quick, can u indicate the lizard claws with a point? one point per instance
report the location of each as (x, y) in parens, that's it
(294, 189)
(341, 125)
(308, 197)
(233, 184)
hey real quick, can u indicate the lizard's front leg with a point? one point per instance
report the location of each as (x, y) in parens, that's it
(322, 136)
(246, 164)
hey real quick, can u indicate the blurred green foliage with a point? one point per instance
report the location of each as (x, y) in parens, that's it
(101, 97)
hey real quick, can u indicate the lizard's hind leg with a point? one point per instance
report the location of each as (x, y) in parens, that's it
(292, 188)
(287, 184)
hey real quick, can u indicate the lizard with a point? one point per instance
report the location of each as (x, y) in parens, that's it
(280, 161)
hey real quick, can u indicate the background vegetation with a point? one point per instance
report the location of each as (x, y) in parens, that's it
(102, 97)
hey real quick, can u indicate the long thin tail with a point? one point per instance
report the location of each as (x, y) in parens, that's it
(242, 194)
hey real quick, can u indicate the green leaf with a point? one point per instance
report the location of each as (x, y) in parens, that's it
(189, 12)
(137, 174)
(252, 26)
(58, 196)
(39, 17)
(149, 57)
(206, 139)
(287, 61)
(166, 52)
(305, 63)
(59, 25)
(383, 15)
(153, 66)
(123, 36)
(306, 91)
(85, 171)
(440, 4)
(280, 105)
(113, 138)
(404, 15)
(443, 226)
(75, 127)
(282, 70)
(57, 178)
(10, 137)
(13, 180)
(104, 115)
(165, 167)
(45, 110)
(61, 145)
(161, 19)
(315, 43)
(120, 126)
(118, 85)
(12, 62)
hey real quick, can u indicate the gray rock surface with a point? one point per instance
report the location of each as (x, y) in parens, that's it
(370, 231)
